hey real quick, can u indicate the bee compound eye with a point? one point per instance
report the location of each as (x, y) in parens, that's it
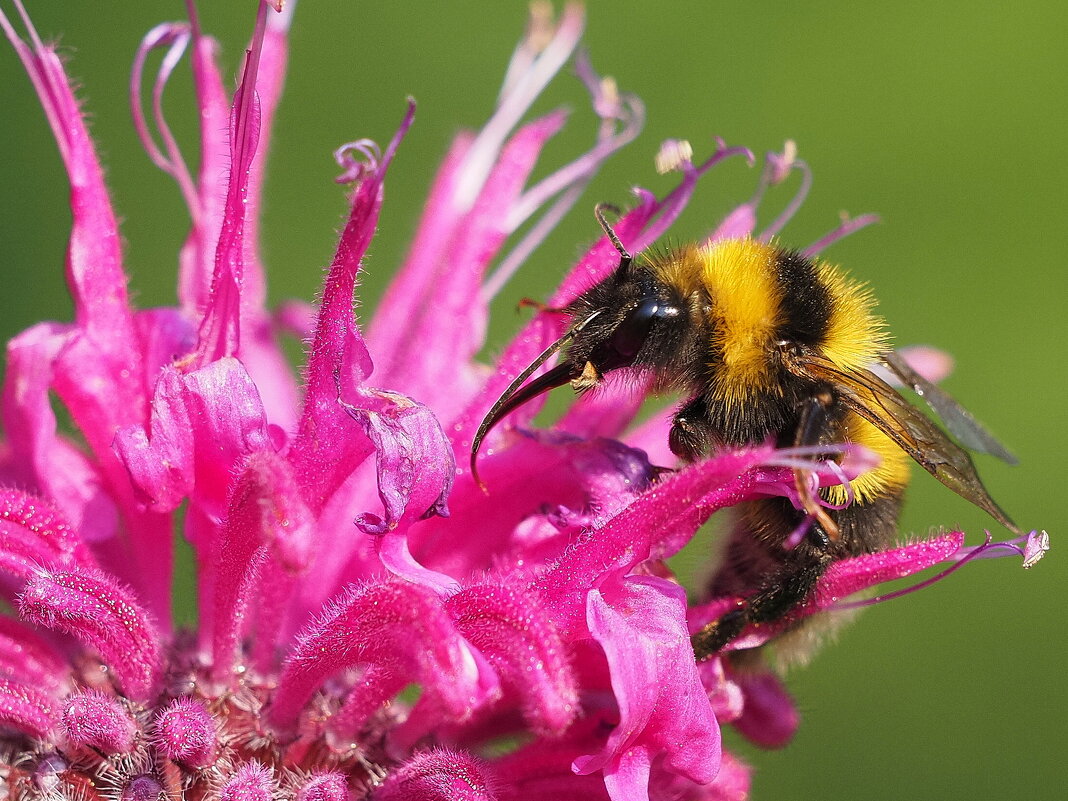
(632, 332)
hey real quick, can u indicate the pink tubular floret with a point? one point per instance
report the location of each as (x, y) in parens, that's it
(103, 615)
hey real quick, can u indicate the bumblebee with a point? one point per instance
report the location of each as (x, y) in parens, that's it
(766, 344)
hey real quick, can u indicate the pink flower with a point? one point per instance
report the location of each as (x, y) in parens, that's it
(372, 624)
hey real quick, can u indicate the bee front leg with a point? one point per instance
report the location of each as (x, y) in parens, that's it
(692, 436)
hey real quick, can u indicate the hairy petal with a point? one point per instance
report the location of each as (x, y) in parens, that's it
(260, 353)
(394, 624)
(219, 335)
(33, 534)
(655, 525)
(26, 657)
(27, 709)
(437, 775)
(328, 446)
(267, 525)
(100, 721)
(506, 625)
(849, 576)
(327, 786)
(103, 615)
(640, 623)
(184, 731)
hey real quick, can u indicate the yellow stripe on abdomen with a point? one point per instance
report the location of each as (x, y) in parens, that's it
(892, 472)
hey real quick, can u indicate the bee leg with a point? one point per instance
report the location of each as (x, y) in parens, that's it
(691, 434)
(784, 591)
(815, 421)
(718, 633)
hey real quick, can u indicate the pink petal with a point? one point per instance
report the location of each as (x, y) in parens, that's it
(219, 335)
(94, 265)
(850, 576)
(269, 82)
(769, 716)
(607, 411)
(99, 721)
(578, 483)
(731, 784)
(932, 363)
(44, 461)
(414, 282)
(260, 353)
(375, 686)
(389, 623)
(184, 731)
(159, 456)
(654, 526)
(197, 257)
(640, 623)
(738, 224)
(33, 534)
(104, 616)
(516, 637)
(438, 775)
(203, 423)
(325, 787)
(844, 229)
(541, 769)
(26, 657)
(267, 526)
(439, 373)
(651, 436)
(27, 710)
(328, 447)
(415, 470)
(842, 579)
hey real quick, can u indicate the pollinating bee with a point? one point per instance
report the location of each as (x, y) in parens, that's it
(766, 344)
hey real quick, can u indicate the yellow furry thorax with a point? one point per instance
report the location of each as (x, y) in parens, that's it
(747, 305)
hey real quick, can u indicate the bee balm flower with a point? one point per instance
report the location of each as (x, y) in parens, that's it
(371, 623)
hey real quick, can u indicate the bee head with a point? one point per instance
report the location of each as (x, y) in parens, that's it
(626, 320)
(615, 324)
(619, 323)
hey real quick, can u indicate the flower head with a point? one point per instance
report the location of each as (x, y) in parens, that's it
(371, 623)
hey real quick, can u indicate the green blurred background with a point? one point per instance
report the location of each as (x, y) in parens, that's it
(948, 119)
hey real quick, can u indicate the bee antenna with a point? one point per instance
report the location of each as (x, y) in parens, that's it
(598, 212)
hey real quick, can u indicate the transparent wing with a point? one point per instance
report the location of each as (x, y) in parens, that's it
(881, 405)
(960, 422)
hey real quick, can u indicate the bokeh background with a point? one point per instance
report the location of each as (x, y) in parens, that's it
(947, 118)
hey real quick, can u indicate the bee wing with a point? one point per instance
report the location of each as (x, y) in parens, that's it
(880, 404)
(960, 422)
